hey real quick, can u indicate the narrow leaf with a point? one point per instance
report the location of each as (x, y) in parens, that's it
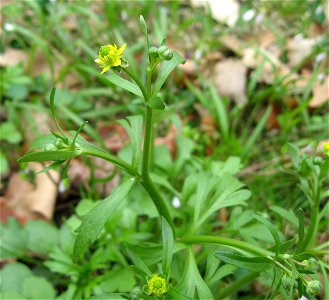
(54, 165)
(49, 156)
(300, 215)
(255, 264)
(166, 68)
(168, 246)
(94, 221)
(137, 261)
(273, 231)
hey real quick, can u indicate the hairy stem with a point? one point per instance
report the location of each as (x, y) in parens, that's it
(208, 239)
(116, 161)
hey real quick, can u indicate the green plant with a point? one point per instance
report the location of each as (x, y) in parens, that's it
(171, 267)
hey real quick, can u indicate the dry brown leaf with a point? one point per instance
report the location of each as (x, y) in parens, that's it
(232, 43)
(189, 67)
(230, 78)
(31, 201)
(299, 49)
(12, 57)
(226, 12)
(320, 93)
(79, 174)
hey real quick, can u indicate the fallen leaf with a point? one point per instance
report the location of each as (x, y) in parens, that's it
(226, 12)
(230, 79)
(299, 48)
(320, 93)
(33, 200)
(12, 57)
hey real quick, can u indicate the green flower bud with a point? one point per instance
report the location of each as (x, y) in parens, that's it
(153, 52)
(59, 144)
(311, 264)
(313, 287)
(165, 53)
(50, 147)
(287, 282)
(136, 293)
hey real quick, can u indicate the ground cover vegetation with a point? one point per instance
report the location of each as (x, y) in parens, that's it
(164, 150)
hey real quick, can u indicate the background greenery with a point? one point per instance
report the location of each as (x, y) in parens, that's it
(200, 130)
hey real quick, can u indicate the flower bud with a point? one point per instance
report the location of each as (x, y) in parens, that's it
(313, 287)
(50, 147)
(311, 264)
(59, 144)
(153, 52)
(165, 53)
(287, 282)
(136, 293)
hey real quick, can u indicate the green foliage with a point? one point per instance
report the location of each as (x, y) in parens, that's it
(227, 185)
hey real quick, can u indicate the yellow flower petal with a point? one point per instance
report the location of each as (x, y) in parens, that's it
(97, 60)
(106, 69)
(122, 48)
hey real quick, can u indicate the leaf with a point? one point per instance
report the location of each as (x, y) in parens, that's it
(113, 78)
(12, 277)
(49, 155)
(255, 264)
(42, 237)
(38, 288)
(13, 240)
(134, 127)
(137, 261)
(285, 214)
(113, 280)
(52, 110)
(221, 112)
(143, 24)
(273, 231)
(191, 280)
(257, 131)
(94, 221)
(41, 141)
(124, 83)
(156, 103)
(166, 68)
(168, 246)
(9, 133)
(300, 214)
(53, 166)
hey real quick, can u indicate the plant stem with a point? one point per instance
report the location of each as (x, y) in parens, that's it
(146, 180)
(138, 82)
(310, 236)
(147, 141)
(207, 239)
(157, 199)
(116, 161)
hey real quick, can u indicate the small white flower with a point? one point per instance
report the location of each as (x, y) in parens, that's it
(176, 202)
(62, 187)
(259, 19)
(8, 27)
(52, 1)
(303, 298)
(321, 76)
(319, 10)
(248, 15)
(320, 57)
(299, 37)
(197, 54)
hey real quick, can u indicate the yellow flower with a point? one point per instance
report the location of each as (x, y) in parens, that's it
(110, 56)
(326, 148)
(156, 285)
